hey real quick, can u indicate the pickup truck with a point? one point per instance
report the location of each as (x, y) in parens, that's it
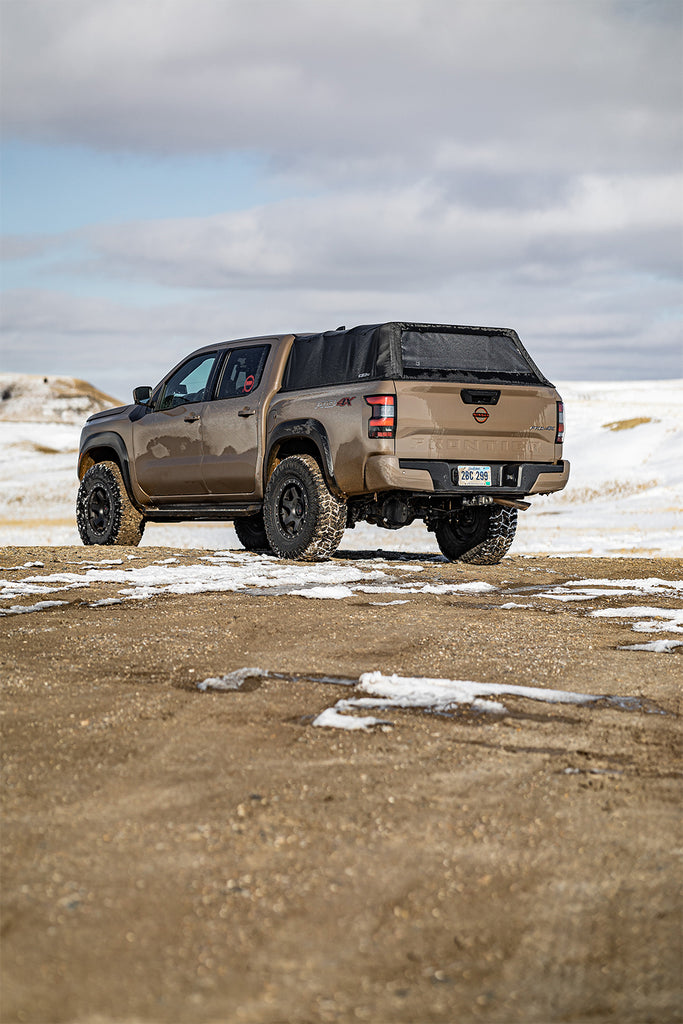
(297, 437)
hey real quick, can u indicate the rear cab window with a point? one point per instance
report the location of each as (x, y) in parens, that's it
(461, 355)
(242, 372)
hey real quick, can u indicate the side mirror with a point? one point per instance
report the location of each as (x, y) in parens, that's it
(141, 396)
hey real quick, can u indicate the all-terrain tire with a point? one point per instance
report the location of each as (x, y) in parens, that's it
(251, 533)
(303, 519)
(481, 534)
(104, 512)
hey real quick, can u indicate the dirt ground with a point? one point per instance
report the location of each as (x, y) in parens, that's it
(174, 855)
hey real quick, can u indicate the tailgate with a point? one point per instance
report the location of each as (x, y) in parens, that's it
(464, 422)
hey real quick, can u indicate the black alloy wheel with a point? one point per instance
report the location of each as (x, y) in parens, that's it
(293, 509)
(99, 511)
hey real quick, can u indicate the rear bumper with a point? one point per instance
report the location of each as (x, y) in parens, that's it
(387, 473)
(508, 479)
(547, 482)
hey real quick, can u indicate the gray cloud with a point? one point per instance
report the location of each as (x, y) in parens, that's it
(486, 161)
(334, 86)
(21, 247)
(413, 238)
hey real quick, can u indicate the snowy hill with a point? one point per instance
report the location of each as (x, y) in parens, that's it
(625, 494)
(31, 398)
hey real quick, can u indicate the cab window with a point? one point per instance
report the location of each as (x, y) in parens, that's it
(242, 371)
(189, 384)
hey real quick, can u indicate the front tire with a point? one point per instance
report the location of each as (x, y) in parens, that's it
(303, 519)
(251, 533)
(479, 534)
(104, 512)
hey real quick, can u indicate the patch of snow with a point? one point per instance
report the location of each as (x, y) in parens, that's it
(650, 584)
(96, 565)
(229, 572)
(585, 590)
(404, 691)
(23, 609)
(325, 593)
(651, 620)
(455, 588)
(442, 589)
(443, 695)
(233, 680)
(657, 646)
(492, 707)
(386, 604)
(399, 692)
(330, 718)
(26, 565)
(25, 588)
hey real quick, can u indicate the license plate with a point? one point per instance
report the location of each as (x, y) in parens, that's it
(474, 476)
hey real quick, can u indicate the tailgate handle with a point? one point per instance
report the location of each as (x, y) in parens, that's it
(474, 396)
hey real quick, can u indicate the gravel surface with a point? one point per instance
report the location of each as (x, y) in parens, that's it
(174, 855)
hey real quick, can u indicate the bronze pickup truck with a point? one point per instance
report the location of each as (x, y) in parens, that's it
(297, 437)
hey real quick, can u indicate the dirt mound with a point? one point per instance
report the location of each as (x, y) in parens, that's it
(39, 399)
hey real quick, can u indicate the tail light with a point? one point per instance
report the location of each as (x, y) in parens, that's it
(383, 418)
(559, 436)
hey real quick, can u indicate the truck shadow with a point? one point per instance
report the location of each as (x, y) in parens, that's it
(389, 556)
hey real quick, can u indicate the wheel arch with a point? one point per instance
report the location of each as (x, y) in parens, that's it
(301, 437)
(106, 447)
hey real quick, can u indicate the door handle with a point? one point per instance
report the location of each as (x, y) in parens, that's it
(192, 419)
(246, 412)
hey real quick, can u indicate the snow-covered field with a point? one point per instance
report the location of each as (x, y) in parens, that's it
(625, 495)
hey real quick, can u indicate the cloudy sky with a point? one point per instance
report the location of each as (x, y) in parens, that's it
(181, 171)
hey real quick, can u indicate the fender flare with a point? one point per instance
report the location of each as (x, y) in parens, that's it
(313, 430)
(108, 439)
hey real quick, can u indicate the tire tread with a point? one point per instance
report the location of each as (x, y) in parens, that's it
(127, 525)
(331, 512)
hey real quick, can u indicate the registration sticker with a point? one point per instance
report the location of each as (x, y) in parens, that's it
(474, 476)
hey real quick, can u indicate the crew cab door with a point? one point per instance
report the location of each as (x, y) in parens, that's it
(167, 440)
(232, 424)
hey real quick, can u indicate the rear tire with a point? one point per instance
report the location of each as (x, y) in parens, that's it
(104, 512)
(479, 534)
(303, 519)
(251, 533)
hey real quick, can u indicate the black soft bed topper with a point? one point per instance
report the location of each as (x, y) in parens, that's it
(410, 351)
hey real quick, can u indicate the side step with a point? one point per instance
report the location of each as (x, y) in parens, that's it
(201, 512)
